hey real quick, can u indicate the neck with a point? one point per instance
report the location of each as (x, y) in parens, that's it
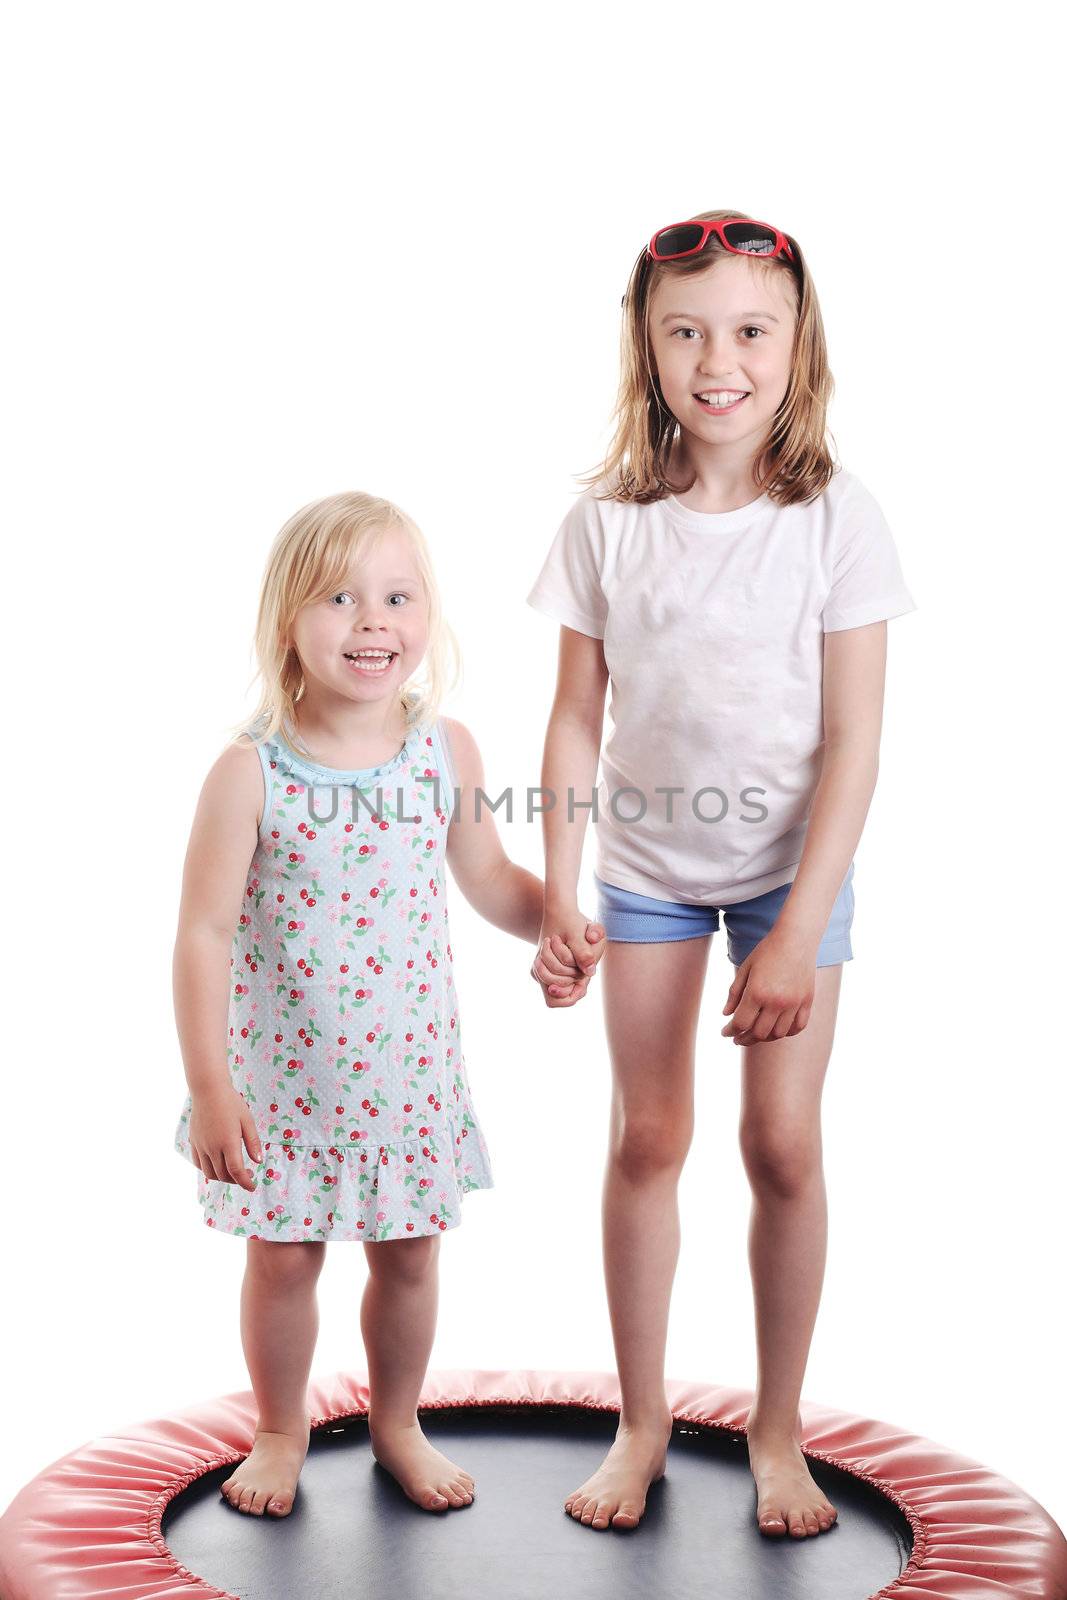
(723, 475)
(370, 733)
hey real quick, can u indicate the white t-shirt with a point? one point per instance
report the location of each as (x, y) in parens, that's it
(713, 628)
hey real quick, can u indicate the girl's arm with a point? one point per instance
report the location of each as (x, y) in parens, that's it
(500, 890)
(853, 695)
(772, 993)
(221, 845)
(569, 768)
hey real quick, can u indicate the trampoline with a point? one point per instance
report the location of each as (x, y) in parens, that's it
(139, 1516)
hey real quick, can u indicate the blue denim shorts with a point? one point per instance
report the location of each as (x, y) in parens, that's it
(630, 918)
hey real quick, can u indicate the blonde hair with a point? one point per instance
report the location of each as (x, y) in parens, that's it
(794, 464)
(308, 561)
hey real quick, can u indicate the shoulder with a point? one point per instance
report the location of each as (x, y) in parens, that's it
(847, 496)
(591, 527)
(844, 516)
(243, 755)
(466, 757)
(596, 510)
(234, 783)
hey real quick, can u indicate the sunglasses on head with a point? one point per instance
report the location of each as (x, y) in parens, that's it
(741, 235)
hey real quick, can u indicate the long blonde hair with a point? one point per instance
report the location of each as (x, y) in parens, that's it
(308, 561)
(794, 464)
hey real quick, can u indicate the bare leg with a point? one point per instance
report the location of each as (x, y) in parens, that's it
(398, 1317)
(279, 1326)
(651, 1004)
(781, 1145)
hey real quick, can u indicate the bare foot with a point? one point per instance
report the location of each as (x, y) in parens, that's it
(266, 1479)
(424, 1474)
(617, 1490)
(788, 1498)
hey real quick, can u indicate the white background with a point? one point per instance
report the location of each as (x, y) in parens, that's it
(259, 253)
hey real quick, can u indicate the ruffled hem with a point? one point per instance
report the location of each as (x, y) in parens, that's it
(362, 1192)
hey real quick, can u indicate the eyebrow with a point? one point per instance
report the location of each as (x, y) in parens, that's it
(695, 316)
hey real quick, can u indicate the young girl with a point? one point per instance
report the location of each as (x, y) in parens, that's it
(735, 588)
(323, 1033)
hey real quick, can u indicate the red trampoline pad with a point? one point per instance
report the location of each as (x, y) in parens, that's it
(89, 1524)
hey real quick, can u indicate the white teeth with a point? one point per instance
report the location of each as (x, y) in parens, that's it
(725, 397)
(371, 660)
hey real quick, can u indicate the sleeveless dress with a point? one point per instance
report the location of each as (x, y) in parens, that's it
(343, 1027)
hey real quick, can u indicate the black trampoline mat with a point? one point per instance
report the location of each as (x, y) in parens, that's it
(352, 1526)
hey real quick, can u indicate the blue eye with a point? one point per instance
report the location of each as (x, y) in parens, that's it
(343, 595)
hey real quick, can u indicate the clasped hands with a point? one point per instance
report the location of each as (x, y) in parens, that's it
(568, 950)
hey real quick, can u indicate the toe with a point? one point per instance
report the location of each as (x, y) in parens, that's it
(795, 1520)
(772, 1522)
(281, 1505)
(811, 1522)
(247, 1496)
(627, 1516)
(259, 1501)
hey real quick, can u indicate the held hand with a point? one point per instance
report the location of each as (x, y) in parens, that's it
(773, 991)
(567, 958)
(220, 1119)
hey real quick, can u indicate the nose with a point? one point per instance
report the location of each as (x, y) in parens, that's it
(372, 616)
(717, 359)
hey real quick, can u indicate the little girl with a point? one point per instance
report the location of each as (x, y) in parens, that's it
(313, 982)
(734, 585)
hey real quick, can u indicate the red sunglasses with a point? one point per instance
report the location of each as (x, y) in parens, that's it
(740, 234)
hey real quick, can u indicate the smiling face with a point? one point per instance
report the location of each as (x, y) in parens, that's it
(716, 335)
(365, 639)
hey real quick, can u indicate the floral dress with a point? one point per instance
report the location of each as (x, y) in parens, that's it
(343, 1028)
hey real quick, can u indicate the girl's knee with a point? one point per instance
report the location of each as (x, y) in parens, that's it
(650, 1147)
(403, 1260)
(286, 1263)
(783, 1158)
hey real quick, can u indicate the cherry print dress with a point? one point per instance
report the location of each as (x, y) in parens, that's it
(343, 1028)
